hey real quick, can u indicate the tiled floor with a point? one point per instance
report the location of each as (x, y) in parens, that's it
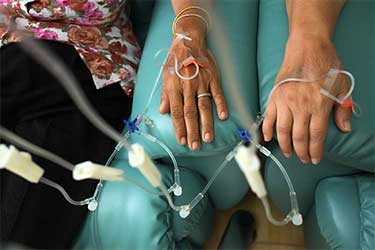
(268, 236)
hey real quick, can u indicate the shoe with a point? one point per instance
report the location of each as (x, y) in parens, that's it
(240, 231)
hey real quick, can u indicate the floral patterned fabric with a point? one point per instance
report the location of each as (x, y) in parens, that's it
(99, 30)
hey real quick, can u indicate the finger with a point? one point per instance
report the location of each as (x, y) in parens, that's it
(301, 135)
(217, 91)
(205, 113)
(284, 130)
(164, 100)
(343, 113)
(177, 113)
(269, 121)
(342, 117)
(318, 130)
(191, 114)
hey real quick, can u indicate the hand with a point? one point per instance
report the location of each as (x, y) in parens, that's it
(179, 97)
(300, 111)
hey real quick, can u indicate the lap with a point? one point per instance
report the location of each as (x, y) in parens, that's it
(35, 106)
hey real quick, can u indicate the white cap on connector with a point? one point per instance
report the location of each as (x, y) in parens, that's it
(184, 211)
(177, 191)
(20, 163)
(249, 163)
(89, 170)
(297, 219)
(138, 158)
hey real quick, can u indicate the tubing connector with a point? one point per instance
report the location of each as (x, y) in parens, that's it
(89, 170)
(20, 163)
(184, 211)
(297, 218)
(138, 158)
(132, 125)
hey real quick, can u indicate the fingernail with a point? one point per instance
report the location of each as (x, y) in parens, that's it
(183, 141)
(207, 136)
(223, 115)
(347, 126)
(315, 161)
(305, 161)
(288, 155)
(266, 138)
(195, 146)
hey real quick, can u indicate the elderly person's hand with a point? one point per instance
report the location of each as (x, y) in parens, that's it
(300, 111)
(189, 101)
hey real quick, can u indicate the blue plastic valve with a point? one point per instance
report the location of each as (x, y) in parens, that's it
(244, 134)
(132, 127)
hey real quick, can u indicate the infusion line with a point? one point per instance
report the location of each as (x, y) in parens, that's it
(176, 187)
(19, 141)
(64, 193)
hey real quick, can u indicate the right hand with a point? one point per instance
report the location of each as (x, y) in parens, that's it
(300, 111)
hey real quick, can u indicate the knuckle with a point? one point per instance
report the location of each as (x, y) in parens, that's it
(283, 129)
(176, 112)
(285, 146)
(220, 101)
(180, 130)
(204, 106)
(194, 135)
(299, 138)
(304, 99)
(317, 135)
(218, 95)
(266, 129)
(190, 112)
(290, 98)
(169, 87)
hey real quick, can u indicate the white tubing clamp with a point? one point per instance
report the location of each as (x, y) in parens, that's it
(89, 170)
(19, 163)
(249, 163)
(138, 158)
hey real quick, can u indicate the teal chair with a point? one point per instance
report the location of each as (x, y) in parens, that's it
(336, 197)
(130, 218)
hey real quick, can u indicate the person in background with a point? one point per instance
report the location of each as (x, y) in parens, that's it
(96, 42)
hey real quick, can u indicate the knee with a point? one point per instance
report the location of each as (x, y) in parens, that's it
(229, 188)
(131, 218)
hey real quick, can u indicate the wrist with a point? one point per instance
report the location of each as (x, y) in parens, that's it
(309, 56)
(311, 30)
(192, 25)
(194, 28)
(308, 39)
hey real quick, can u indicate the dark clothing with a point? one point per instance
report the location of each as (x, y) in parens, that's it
(36, 107)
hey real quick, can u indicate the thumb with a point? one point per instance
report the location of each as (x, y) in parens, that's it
(343, 114)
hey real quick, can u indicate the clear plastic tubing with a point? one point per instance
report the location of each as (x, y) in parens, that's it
(169, 152)
(64, 193)
(187, 208)
(19, 141)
